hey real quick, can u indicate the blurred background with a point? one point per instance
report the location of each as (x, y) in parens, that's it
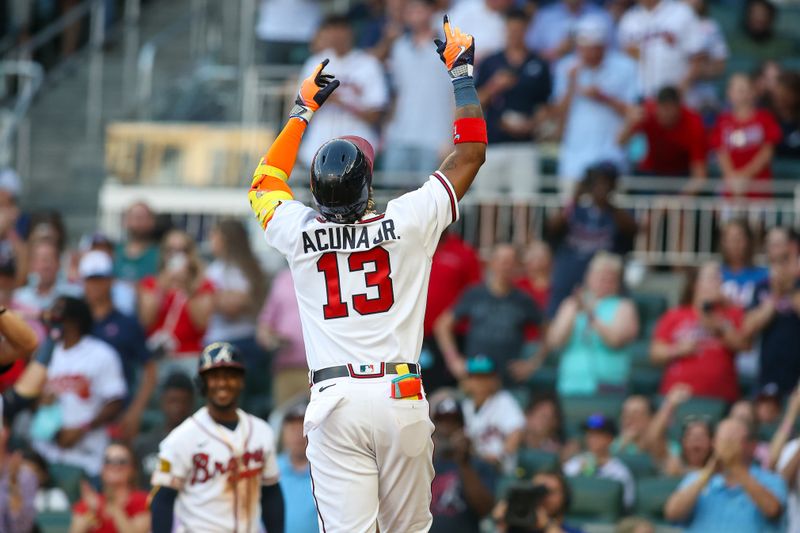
(631, 242)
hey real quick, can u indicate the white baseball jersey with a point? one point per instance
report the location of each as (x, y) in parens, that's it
(218, 473)
(362, 287)
(363, 86)
(666, 37)
(490, 425)
(83, 378)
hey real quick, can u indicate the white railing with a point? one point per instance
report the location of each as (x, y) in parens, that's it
(673, 230)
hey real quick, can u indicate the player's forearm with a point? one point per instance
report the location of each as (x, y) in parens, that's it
(272, 508)
(162, 509)
(19, 335)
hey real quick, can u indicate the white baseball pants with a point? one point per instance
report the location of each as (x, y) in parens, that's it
(371, 457)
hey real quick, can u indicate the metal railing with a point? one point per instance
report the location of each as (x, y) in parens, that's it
(196, 23)
(672, 230)
(15, 131)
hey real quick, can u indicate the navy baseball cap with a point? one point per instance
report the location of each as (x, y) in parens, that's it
(600, 422)
(480, 365)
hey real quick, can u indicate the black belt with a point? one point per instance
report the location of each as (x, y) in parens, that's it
(344, 371)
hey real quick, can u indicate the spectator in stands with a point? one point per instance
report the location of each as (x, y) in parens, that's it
(175, 306)
(744, 139)
(240, 287)
(729, 494)
(544, 426)
(597, 461)
(485, 19)
(280, 332)
(635, 524)
(786, 107)
(676, 139)
(284, 29)
(301, 513)
(49, 497)
(463, 487)
(422, 114)
(765, 82)
(84, 392)
(666, 38)
(45, 284)
(592, 329)
(636, 417)
(786, 460)
(513, 85)
(552, 31)
(176, 404)
(123, 333)
(696, 444)
(494, 421)
(537, 266)
(498, 314)
(18, 486)
(550, 513)
(358, 104)
(697, 341)
(774, 316)
(740, 275)
(667, 453)
(118, 507)
(376, 24)
(758, 39)
(48, 225)
(710, 63)
(137, 257)
(455, 267)
(593, 89)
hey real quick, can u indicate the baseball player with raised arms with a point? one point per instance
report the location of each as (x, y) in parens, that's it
(217, 472)
(361, 278)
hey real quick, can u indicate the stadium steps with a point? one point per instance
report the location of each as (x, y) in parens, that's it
(66, 166)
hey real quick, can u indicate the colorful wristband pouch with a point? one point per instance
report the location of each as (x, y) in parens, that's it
(406, 386)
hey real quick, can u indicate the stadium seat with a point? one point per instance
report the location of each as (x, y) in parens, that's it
(786, 168)
(531, 461)
(645, 380)
(578, 408)
(68, 478)
(544, 379)
(711, 408)
(54, 521)
(640, 352)
(595, 499)
(641, 465)
(650, 307)
(652, 494)
(522, 395)
(150, 419)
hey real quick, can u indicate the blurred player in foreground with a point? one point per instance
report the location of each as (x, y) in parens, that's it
(217, 471)
(361, 279)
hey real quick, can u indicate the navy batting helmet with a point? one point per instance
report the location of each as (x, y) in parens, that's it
(341, 178)
(217, 355)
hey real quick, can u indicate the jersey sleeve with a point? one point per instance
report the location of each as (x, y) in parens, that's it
(271, 472)
(173, 466)
(110, 381)
(284, 229)
(429, 209)
(513, 418)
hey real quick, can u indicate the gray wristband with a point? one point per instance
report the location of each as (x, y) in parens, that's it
(464, 91)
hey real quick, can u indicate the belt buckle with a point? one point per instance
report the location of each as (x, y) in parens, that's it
(368, 370)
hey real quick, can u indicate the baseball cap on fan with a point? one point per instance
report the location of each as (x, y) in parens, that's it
(96, 264)
(591, 30)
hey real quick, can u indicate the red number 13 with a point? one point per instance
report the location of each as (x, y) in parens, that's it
(380, 278)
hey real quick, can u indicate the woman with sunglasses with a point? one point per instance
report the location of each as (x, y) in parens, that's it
(118, 507)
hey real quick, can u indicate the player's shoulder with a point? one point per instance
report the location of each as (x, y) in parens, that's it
(186, 432)
(292, 212)
(436, 183)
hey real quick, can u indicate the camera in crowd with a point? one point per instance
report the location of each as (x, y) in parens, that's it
(524, 500)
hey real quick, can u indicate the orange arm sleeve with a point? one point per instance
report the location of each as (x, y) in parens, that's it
(269, 186)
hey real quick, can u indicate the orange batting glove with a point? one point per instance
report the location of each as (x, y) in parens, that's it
(457, 51)
(314, 90)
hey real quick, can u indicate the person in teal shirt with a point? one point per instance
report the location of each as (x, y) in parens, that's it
(138, 256)
(301, 514)
(730, 493)
(593, 328)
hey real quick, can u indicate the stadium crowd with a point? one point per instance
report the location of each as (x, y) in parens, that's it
(559, 395)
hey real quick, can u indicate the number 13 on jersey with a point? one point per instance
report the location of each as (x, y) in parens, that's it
(379, 278)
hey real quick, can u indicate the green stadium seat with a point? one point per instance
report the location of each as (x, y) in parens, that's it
(711, 408)
(784, 168)
(532, 461)
(544, 379)
(650, 307)
(578, 408)
(652, 494)
(522, 395)
(68, 478)
(645, 380)
(503, 485)
(641, 465)
(640, 352)
(150, 419)
(54, 521)
(595, 499)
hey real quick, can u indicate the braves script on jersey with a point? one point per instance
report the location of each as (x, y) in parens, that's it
(218, 473)
(361, 287)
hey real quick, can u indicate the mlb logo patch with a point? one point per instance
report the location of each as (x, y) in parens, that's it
(367, 369)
